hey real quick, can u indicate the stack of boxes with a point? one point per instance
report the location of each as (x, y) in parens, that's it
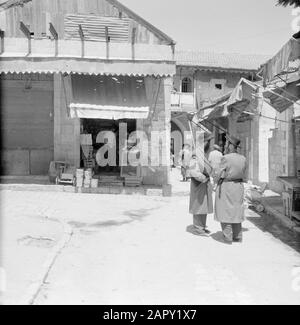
(79, 177)
(94, 183)
(84, 178)
(87, 178)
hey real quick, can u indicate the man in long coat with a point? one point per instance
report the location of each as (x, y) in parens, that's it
(229, 203)
(201, 202)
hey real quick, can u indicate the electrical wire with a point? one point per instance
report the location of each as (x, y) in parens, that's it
(267, 117)
(216, 126)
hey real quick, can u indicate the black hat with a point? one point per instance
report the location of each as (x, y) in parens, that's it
(208, 136)
(233, 140)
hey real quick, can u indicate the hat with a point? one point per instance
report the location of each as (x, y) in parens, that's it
(233, 140)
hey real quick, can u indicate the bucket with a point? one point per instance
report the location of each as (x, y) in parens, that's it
(94, 183)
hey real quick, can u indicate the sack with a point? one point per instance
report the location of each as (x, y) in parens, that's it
(195, 172)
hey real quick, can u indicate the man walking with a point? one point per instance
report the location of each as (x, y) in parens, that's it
(229, 203)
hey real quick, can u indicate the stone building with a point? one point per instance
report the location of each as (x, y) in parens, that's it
(264, 115)
(72, 67)
(202, 77)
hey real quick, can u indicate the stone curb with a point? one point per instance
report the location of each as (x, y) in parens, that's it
(35, 288)
(101, 190)
(281, 218)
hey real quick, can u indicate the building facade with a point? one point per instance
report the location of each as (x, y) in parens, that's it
(72, 68)
(201, 78)
(264, 115)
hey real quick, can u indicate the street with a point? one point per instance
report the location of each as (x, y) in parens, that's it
(136, 250)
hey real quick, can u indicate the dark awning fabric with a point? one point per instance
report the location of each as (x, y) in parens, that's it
(283, 97)
(240, 99)
(285, 60)
(108, 97)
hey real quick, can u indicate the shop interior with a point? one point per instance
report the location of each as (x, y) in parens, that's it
(90, 128)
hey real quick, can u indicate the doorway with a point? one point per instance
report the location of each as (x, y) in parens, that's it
(93, 128)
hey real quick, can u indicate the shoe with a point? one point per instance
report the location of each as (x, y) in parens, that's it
(196, 231)
(226, 240)
(207, 231)
(200, 233)
(237, 241)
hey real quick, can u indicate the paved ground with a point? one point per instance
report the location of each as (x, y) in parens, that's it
(135, 250)
(29, 236)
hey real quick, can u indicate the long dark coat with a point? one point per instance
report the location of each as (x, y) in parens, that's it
(229, 203)
(201, 201)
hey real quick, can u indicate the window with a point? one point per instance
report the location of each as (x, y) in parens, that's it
(218, 84)
(186, 85)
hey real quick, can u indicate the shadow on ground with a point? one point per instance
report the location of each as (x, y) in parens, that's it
(134, 215)
(268, 224)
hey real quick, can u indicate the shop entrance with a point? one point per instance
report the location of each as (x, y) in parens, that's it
(91, 143)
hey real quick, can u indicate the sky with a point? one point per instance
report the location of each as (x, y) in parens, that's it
(229, 26)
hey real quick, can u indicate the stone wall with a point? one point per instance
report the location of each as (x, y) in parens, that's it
(281, 150)
(265, 133)
(297, 146)
(204, 82)
(159, 97)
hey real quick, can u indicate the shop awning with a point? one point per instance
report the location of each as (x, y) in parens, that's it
(281, 98)
(286, 60)
(240, 99)
(106, 97)
(215, 109)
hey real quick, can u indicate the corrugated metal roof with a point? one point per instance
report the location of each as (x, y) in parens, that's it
(86, 66)
(220, 60)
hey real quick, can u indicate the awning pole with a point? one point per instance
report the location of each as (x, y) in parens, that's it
(191, 130)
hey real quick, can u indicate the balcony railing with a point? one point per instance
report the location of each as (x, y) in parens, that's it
(183, 102)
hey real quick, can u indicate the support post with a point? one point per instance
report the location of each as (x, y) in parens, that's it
(2, 41)
(26, 32)
(82, 40)
(107, 38)
(167, 87)
(55, 36)
(173, 51)
(133, 42)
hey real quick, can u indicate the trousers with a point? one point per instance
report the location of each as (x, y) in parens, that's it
(232, 231)
(199, 220)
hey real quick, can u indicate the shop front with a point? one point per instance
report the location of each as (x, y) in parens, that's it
(109, 108)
